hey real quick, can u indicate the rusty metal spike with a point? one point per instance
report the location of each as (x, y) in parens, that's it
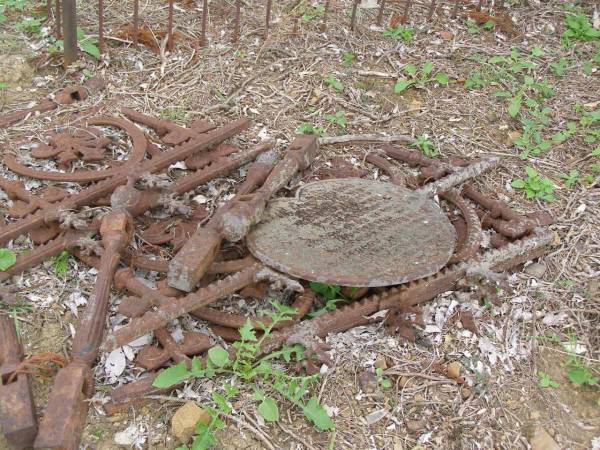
(353, 14)
(405, 15)
(175, 308)
(268, 18)
(101, 26)
(235, 219)
(152, 358)
(170, 27)
(380, 13)
(136, 20)
(65, 417)
(204, 21)
(104, 188)
(236, 23)
(17, 410)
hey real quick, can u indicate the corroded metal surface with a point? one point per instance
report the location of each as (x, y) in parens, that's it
(17, 410)
(65, 417)
(234, 219)
(354, 232)
(85, 144)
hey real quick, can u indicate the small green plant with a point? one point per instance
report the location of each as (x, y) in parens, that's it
(348, 58)
(472, 27)
(332, 295)
(7, 259)
(579, 372)
(534, 186)
(60, 263)
(559, 67)
(86, 43)
(253, 372)
(30, 25)
(310, 13)
(3, 86)
(422, 79)
(426, 146)
(381, 380)
(569, 132)
(579, 28)
(309, 128)
(476, 80)
(331, 81)
(544, 380)
(515, 62)
(339, 119)
(570, 179)
(400, 33)
(174, 113)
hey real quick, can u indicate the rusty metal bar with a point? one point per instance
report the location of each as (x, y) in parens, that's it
(405, 16)
(17, 410)
(236, 24)
(190, 264)
(170, 27)
(101, 26)
(136, 22)
(268, 18)
(204, 21)
(66, 413)
(58, 20)
(106, 187)
(353, 15)
(431, 9)
(175, 308)
(69, 31)
(380, 13)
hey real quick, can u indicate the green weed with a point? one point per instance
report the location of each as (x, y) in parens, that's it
(559, 67)
(534, 186)
(331, 81)
(578, 28)
(309, 128)
(339, 119)
(310, 13)
(253, 373)
(570, 179)
(426, 146)
(544, 380)
(7, 259)
(348, 58)
(60, 263)
(400, 33)
(86, 43)
(420, 79)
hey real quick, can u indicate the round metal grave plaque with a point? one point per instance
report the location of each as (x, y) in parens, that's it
(354, 232)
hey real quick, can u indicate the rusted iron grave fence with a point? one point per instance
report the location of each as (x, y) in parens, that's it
(97, 225)
(65, 14)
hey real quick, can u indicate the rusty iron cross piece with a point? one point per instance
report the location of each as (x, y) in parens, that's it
(354, 232)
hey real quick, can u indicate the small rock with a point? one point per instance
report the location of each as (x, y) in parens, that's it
(454, 370)
(536, 270)
(466, 393)
(446, 35)
(185, 419)
(541, 440)
(376, 416)
(415, 425)
(380, 362)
